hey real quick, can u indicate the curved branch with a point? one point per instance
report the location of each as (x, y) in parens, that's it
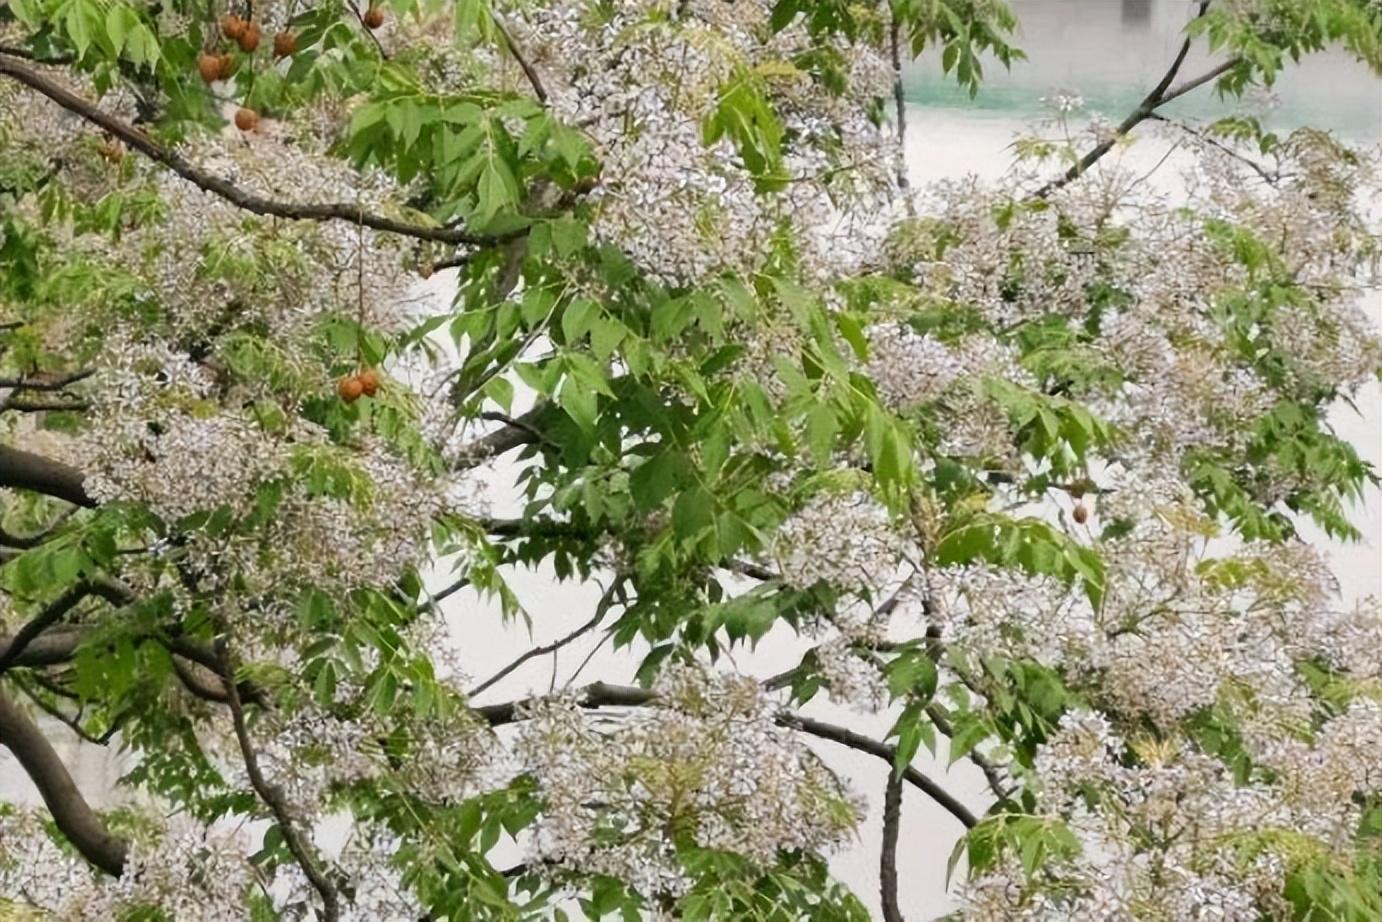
(600, 694)
(1159, 96)
(72, 814)
(887, 861)
(24, 470)
(49, 649)
(219, 186)
(847, 737)
(272, 795)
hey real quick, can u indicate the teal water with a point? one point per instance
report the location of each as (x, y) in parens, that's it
(1110, 52)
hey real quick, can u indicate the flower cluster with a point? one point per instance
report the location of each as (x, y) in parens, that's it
(706, 764)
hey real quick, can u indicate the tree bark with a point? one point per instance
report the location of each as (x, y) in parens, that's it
(24, 470)
(73, 816)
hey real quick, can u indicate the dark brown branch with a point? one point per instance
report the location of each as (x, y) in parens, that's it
(219, 186)
(44, 405)
(73, 816)
(887, 861)
(534, 80)
(595, 695)
(47, 382)
(23, 470)
(272, 796)
(72, 722)
(443, 594)
(516, 432)
(54, 612)
(1159, 96)
(991, 772)
(847, 737)
(600, 694)
(1270, 176)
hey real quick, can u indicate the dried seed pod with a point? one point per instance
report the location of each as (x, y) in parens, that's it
(246, 119)
(349, 388)
(369, 381)
(249, 39)
(1081, 513)
(209, 66)
(226, 64)
(232, 26)
(374, 17)
(285, 44)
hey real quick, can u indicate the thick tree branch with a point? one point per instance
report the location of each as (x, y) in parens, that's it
(49, 649)
(23, 470)
(273, 798)
(887, 861)
(47, 382)
(53, 613)
(515, 432)
(219, 186)
(1159, 96)
(73, 816)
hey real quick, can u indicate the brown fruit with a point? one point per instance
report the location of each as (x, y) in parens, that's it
(1081, 513)
(285, 44)
(249, 39)
(233, 26)
(209, 66)
(226, 66)
(349, 388)
(369, 381)
(246, 119)
(374, 17)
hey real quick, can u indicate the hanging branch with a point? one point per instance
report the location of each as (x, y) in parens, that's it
(219, 186)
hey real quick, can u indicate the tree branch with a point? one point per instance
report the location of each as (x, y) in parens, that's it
(1160, 94)
(54, 612)
(600, 609)
(73, 816)
(600, 694)
(534, 80)
(219, 186)
(887, 861)
(48, 382)
(24, 470)
(49, 649)
(272, 795)
(847, 737)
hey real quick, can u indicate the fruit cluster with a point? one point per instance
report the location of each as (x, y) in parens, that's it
(363, 383)
(247, 35)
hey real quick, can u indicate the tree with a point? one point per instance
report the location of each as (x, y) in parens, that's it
(982, 445)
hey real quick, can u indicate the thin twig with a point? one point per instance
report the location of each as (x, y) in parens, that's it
(601, 609)
(1272, 177)
(534, 80)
